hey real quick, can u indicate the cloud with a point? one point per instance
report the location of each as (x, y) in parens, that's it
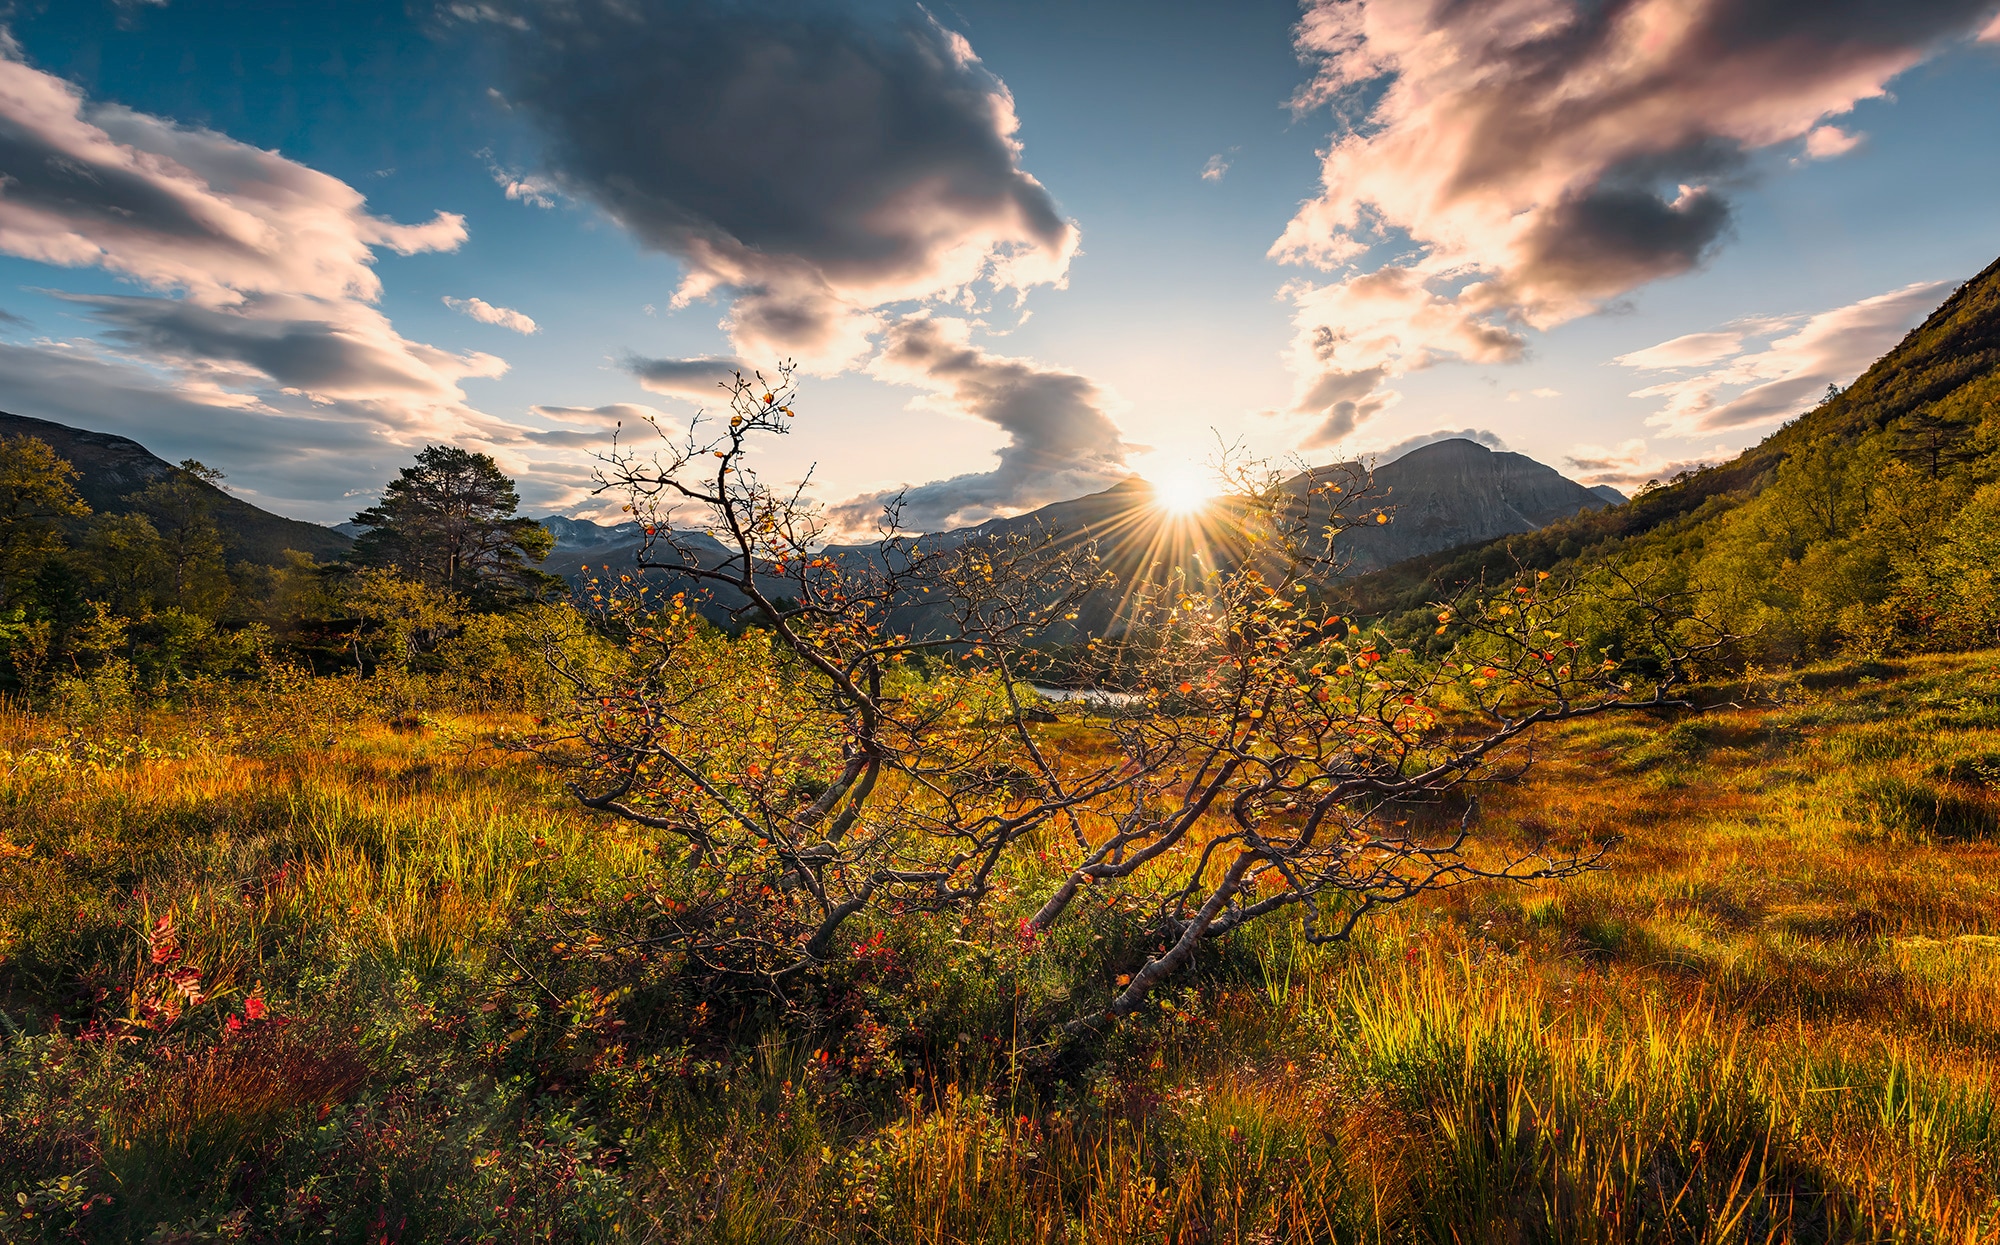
(1828, 141)
(697, 380)
(266, 265)
(1524, 162)
(1352, 337)
(1992, 32)
(598, 424)
(1216, 167)
(257, 343)
(1630, 464)
(486, 313)
(813, 167)
(329, 352)
(1482, 436)
(288, 458)
(1763, 371)
(98, 185)
(1061, 441)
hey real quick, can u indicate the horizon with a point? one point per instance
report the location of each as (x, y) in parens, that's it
(1022, 253)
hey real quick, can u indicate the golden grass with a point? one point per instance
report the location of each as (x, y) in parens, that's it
(1775, 1017)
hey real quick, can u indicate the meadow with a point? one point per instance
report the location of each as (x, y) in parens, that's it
(297, 961)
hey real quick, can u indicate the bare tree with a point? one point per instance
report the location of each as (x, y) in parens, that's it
(877, 752)
(849, 779)
(1302, 745)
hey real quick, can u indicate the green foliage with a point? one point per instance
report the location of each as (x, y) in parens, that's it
(448, 523)
(184, 551)
(1864, 526)
(37, 490)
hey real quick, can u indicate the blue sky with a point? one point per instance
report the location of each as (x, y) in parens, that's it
(231, 230)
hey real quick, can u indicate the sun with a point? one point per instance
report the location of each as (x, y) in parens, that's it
(1181, 491)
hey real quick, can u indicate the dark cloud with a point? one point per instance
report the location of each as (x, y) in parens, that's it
(698, 380)
(353, 357)
(1061, 443)
(1611, 239)
(813, 164)
(295, 462)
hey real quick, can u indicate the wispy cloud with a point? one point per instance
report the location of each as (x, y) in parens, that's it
(1631, 464)
(1216, 168)
(1758, 372)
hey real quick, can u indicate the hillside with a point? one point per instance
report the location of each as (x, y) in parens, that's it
(1932, 403)
(110, 468)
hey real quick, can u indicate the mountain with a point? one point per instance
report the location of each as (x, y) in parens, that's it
(1457, 492)
(1445, 495)
(1438, 496)
(1609, 494)
(110, 468)
(577, 535)
(1928, 393)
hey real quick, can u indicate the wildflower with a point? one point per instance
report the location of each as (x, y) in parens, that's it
(254, 1008)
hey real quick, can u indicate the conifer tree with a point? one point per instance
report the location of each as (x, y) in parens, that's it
(448, 522)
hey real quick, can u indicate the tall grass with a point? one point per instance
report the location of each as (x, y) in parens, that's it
(286, 973)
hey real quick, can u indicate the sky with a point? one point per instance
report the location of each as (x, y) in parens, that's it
(1018, 250)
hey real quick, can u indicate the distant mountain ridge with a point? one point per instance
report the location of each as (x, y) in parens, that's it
(111, 468)
(1445, 495)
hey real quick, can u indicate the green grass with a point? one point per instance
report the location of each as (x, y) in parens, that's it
(1775, 1018)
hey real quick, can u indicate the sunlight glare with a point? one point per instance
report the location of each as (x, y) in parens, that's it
(1182, 491)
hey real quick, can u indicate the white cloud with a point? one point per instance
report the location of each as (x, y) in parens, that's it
(486, 313)
(1630, 464)
(1825, 142)
(1217, 166)
(1769, 370)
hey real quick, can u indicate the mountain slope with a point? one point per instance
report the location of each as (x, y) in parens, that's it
(110, 468)
(1950, 359)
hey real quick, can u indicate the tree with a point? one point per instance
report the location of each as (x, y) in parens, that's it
(181, 509)
(448, 523)
(812, 773)
(37, 492)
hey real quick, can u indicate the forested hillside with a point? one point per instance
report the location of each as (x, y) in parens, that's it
(1869, 523)
(110, 469)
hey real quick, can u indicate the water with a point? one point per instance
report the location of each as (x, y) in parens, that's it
(1095, 697)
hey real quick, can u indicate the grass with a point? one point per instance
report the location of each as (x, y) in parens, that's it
(279, 971)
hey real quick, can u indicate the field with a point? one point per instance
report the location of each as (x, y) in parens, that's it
(278, 967)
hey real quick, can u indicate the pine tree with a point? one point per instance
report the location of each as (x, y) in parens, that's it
(448, 522)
